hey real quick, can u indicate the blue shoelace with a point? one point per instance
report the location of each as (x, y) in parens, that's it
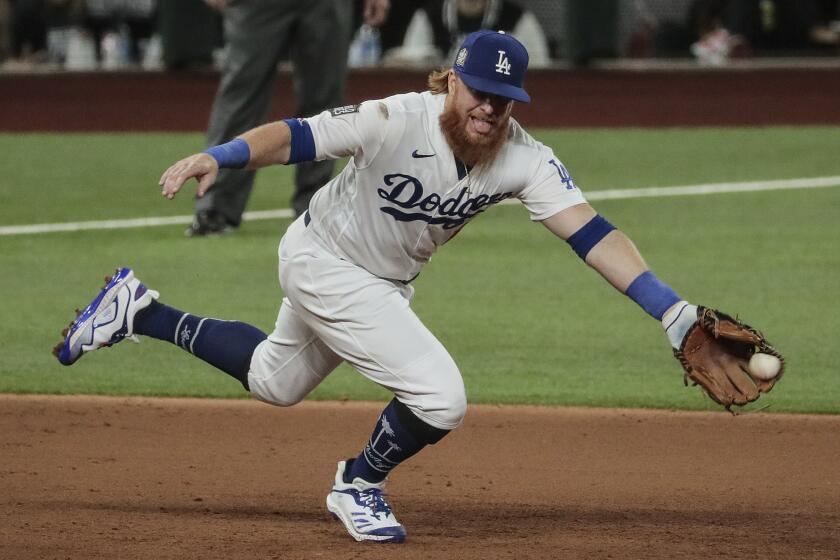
(374, 500)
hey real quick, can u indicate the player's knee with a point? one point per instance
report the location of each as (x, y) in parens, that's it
(269, 390)
(444, 410)
(443, 403)
(452, 413)
(273, 381)
(423, 432)
(454, 403)
(273, 397)
(461, 408)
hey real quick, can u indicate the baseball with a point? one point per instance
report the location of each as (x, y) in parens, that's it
(765, 366)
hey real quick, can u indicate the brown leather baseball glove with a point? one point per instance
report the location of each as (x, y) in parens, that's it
(715, 354)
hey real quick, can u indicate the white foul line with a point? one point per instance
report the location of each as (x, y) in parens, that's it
(715, 188)
(609, 194)
(132, 223)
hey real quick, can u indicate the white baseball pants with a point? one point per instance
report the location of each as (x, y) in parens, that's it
(335, 311)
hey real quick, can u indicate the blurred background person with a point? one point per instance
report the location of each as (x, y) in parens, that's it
(392, 33)
(741, 28)
(440, 26)
(80, 34)
(29, 28)
(118, 28)
(712, 43)
(715, 31)
(784, 26)
(674, 37)
(28, 32)
(258, 34)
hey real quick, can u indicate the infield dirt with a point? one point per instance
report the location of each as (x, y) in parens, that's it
(104, 477)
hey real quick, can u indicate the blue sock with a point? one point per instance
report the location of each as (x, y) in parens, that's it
(390, 444)
(227, 345)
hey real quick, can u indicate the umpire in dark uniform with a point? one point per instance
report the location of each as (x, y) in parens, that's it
(316, 34)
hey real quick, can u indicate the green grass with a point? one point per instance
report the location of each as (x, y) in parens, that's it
(67, 177)
(525, 320)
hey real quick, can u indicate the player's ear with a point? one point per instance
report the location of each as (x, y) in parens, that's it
(451, 82)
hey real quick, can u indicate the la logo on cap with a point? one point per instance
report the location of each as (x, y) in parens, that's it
(503, 66)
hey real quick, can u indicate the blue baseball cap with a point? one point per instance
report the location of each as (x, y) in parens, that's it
(493, 62)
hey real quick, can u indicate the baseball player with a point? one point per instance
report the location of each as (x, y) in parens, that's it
(421, 166)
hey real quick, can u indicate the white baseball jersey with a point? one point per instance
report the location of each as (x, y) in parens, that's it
(403, 193)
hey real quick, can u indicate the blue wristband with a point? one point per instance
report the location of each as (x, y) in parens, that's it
(234, 155)
(653, 295)
(589, 235)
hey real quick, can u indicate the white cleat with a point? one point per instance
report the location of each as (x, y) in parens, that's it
(108, 319)
(361, 506)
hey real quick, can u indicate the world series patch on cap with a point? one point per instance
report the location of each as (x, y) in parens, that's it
(493, 62)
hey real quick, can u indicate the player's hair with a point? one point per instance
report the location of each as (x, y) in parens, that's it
(438, 81)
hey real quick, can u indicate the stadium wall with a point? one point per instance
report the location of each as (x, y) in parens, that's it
(145, 101)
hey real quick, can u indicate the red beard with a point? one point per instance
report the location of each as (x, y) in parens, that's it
(472, 151)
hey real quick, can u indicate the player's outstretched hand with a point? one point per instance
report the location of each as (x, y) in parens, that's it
(203, 167)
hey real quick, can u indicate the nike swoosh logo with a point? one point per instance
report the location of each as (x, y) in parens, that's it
(414, 154)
